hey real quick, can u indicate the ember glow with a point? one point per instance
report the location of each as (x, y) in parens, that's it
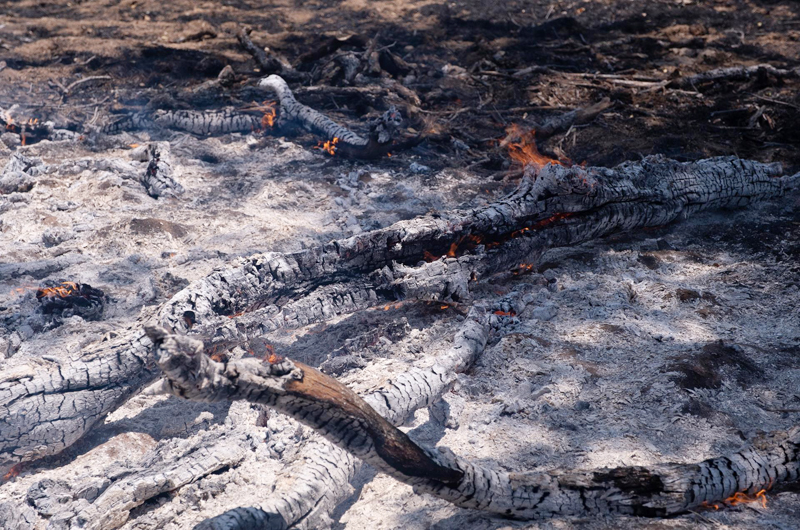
(505, 313)
(13, 472)
(525, 151)
(269, 114)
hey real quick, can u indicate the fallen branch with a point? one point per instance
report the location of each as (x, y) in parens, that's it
(341, 140)
(733, 73)
(351, 423)
(322, 472)
(268, 65)
(564, 206)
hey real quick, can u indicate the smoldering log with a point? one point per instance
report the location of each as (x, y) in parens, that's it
(348, 421)
(563, 206)
(322, 472)
(208, 123)
(167, 467)
(343, 141)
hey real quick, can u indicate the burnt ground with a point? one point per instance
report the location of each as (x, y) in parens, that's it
(628, 368)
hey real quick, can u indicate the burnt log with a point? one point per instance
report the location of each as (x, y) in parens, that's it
(49, 407)
(340, 140)
(322, 472)
(345, 419)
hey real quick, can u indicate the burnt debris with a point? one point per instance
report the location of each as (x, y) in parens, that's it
(64, 299)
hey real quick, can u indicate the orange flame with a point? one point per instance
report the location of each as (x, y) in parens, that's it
(741, 498)
(274, 358)
(62, 291)
(330, 146)
(505, 313)
(14, 472)
(269, 114)
(525, 151)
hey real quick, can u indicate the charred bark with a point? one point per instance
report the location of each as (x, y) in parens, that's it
(158, 179)
(49, 407)
(321, 474)
(352, 424)
(340, 140)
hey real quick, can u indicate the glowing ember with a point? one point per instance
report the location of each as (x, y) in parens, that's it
(505, 313)
(14, 472)
(525, 151)
(330, 146)
(274, 358)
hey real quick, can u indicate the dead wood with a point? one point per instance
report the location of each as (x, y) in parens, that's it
(348, 421)
(268, 64)
(578, 116)
(105, 502)
(340, 140)
(158, 179)
(563, 206)
(321, 473)
(207, 123)
(733, 73)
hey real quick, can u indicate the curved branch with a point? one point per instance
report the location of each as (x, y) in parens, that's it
(348, 421)
(342, 140)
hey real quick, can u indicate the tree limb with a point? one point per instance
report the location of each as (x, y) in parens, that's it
(348, 421)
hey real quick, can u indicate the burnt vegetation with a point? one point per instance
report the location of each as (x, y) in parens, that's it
(250, 247)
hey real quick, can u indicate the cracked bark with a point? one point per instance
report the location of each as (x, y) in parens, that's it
(338, 414)
(319, 478)
(344, 142)
(563, 206)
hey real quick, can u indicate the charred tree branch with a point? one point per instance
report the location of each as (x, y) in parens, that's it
(351, 423)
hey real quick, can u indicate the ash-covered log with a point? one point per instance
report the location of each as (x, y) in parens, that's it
(563, 206)
(339, 139)
(348, 421)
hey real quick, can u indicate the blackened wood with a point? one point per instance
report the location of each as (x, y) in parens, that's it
(349, 422)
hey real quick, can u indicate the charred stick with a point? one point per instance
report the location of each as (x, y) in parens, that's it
(341, 140)
(348, 421)
(269, 65)
(733, 73)
(158, 179)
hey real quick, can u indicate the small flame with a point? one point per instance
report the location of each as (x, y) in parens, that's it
(133, 146)
(330, 146)
(62, 291)
(505, 313)
(274, 358)
(743, 498)
(14, 472)
(269, 114)
(525, 151)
